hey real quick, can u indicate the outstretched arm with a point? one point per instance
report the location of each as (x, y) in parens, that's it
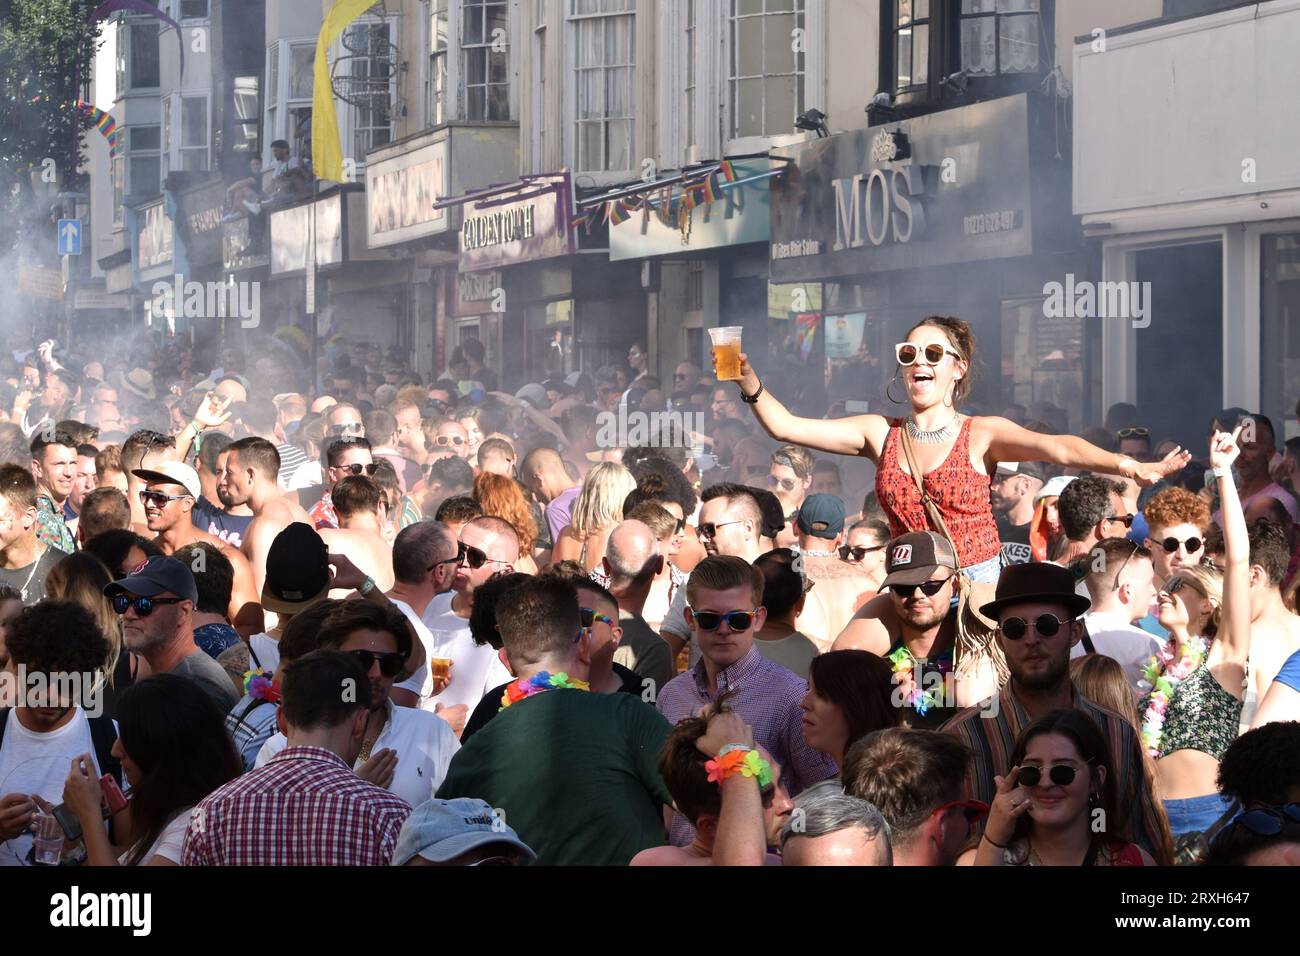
(859, 435)
(1232, 641)
(1007, 441)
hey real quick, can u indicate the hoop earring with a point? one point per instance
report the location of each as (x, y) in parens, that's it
(889, 393)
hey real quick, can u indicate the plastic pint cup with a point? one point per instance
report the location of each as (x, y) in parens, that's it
(726, 352)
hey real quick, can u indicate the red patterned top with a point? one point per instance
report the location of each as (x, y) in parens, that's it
(960, 492)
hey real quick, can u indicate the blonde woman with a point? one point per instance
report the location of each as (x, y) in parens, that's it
(596, 510)
(81, 577)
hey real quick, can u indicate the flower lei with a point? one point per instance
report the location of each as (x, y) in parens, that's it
(537, 684)
(260, 686)
(1164, 673)
(745, 762)
(904, 663)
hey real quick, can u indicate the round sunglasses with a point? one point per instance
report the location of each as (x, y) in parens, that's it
(909, 354)
(446, 440)
(390, 663)
(1047, 625)
(1062, 775)
(1171, 544)
(144, 606)
(737, 621)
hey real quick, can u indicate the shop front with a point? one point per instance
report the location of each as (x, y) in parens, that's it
(964, 212)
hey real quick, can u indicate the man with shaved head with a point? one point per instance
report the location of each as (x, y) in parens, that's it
(543, 473)
(252, 465)
(488, 546)
(631, 563)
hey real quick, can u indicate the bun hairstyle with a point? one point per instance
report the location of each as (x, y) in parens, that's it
(963, 342)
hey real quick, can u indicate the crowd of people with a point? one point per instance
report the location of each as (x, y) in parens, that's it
(255, 616)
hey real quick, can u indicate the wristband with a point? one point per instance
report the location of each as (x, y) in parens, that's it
(1222, 472)
(729, 748)
(991, 841)
(751, 399)
(747, 763)
(367, 586)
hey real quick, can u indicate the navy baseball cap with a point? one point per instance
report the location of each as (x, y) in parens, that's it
(157, 574)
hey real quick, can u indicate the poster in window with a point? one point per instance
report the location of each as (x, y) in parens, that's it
(844, 335)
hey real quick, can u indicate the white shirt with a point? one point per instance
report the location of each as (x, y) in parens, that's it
(424, 743)
(308, 475)
(421, 682)
(1115, 637)
(267, 650)
(169, 843)
(38, 763)
(475, 669)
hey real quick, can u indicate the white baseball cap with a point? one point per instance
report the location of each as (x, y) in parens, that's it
(172, 472)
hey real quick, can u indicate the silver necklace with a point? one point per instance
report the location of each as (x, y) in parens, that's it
(819, 554)
(31, 574)
(936, 436)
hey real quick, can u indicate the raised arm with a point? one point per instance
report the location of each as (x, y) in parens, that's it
(858, 435)
(1007, 441)
(1232, 642)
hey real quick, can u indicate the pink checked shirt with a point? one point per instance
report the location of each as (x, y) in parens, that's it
(304, 808)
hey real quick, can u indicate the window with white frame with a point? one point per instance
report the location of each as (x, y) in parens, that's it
(485, 60)
(604, 65)
(193, 9)
(143, 161)
(137, 56)
(245, 124)
(192, 148)
(999, 36)
(435, 81)
(766, 66)
(289, 73)
(538, 112)
(119, 187)
(368, 48)
(912, 18)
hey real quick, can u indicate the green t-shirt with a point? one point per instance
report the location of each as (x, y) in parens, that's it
(576, 775)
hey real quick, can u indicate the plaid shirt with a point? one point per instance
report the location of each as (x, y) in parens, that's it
(51, 528)
(767, 696)
(993, 738)
(304, 808)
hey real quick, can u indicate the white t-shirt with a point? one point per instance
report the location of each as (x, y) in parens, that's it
(308, 475)
(424, 743)
(675, 622)
(475, 669)
(1114, 637)
(421, 682)
(267, 649)
(38, 763)
(169, 842)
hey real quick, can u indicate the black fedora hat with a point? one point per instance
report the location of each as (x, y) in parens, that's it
(1036, 582)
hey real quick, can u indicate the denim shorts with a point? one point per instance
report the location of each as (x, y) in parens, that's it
(1195, 814)
(986, 572)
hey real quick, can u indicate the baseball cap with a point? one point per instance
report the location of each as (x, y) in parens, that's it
(914, 557)
(1053, 488)
(297, 570)
(534, 395)
(152, 577)
(441, 830)
(172, 473)
(821, 516)
(1034, 469)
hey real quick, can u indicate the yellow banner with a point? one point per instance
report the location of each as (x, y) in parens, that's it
(326, 146)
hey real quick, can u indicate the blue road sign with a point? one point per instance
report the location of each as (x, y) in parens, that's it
(69, 237)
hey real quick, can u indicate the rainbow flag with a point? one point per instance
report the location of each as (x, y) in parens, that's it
(711, 189)
(727, 170)
(619, 211)
(105, 123)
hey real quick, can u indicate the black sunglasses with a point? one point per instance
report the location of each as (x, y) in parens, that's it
(928, 588)
(710, 530)
(143, 605)
(1014, 628)
(476, 558)
(1126, 520)
(738, 621)
(390, 664)
(1171, 544)
(1062, 775)
(159, 499)
(857, 554)
(456, 559)
(1269, 821)
(348, 428)
(356, 468)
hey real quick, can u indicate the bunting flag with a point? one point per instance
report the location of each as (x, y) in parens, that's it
(619, 212)
(711, 190)
(326, 143)
(727, 170)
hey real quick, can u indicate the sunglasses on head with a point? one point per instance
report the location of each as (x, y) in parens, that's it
(1172, 544)
(590, 617)
(1062, 775)
(1137, 432)
(159, 499)
(857, 553)
(143, 605)
(928, 588)
(390, 663)
(909, 354)
(357, 468)
(476, 558)
(737, 621)
(1047, 625)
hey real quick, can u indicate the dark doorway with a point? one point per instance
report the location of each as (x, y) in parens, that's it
(1180, 354)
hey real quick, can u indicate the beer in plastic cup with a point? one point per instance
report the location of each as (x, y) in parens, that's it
(440, 668)
(48, 839)
(726, 352)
